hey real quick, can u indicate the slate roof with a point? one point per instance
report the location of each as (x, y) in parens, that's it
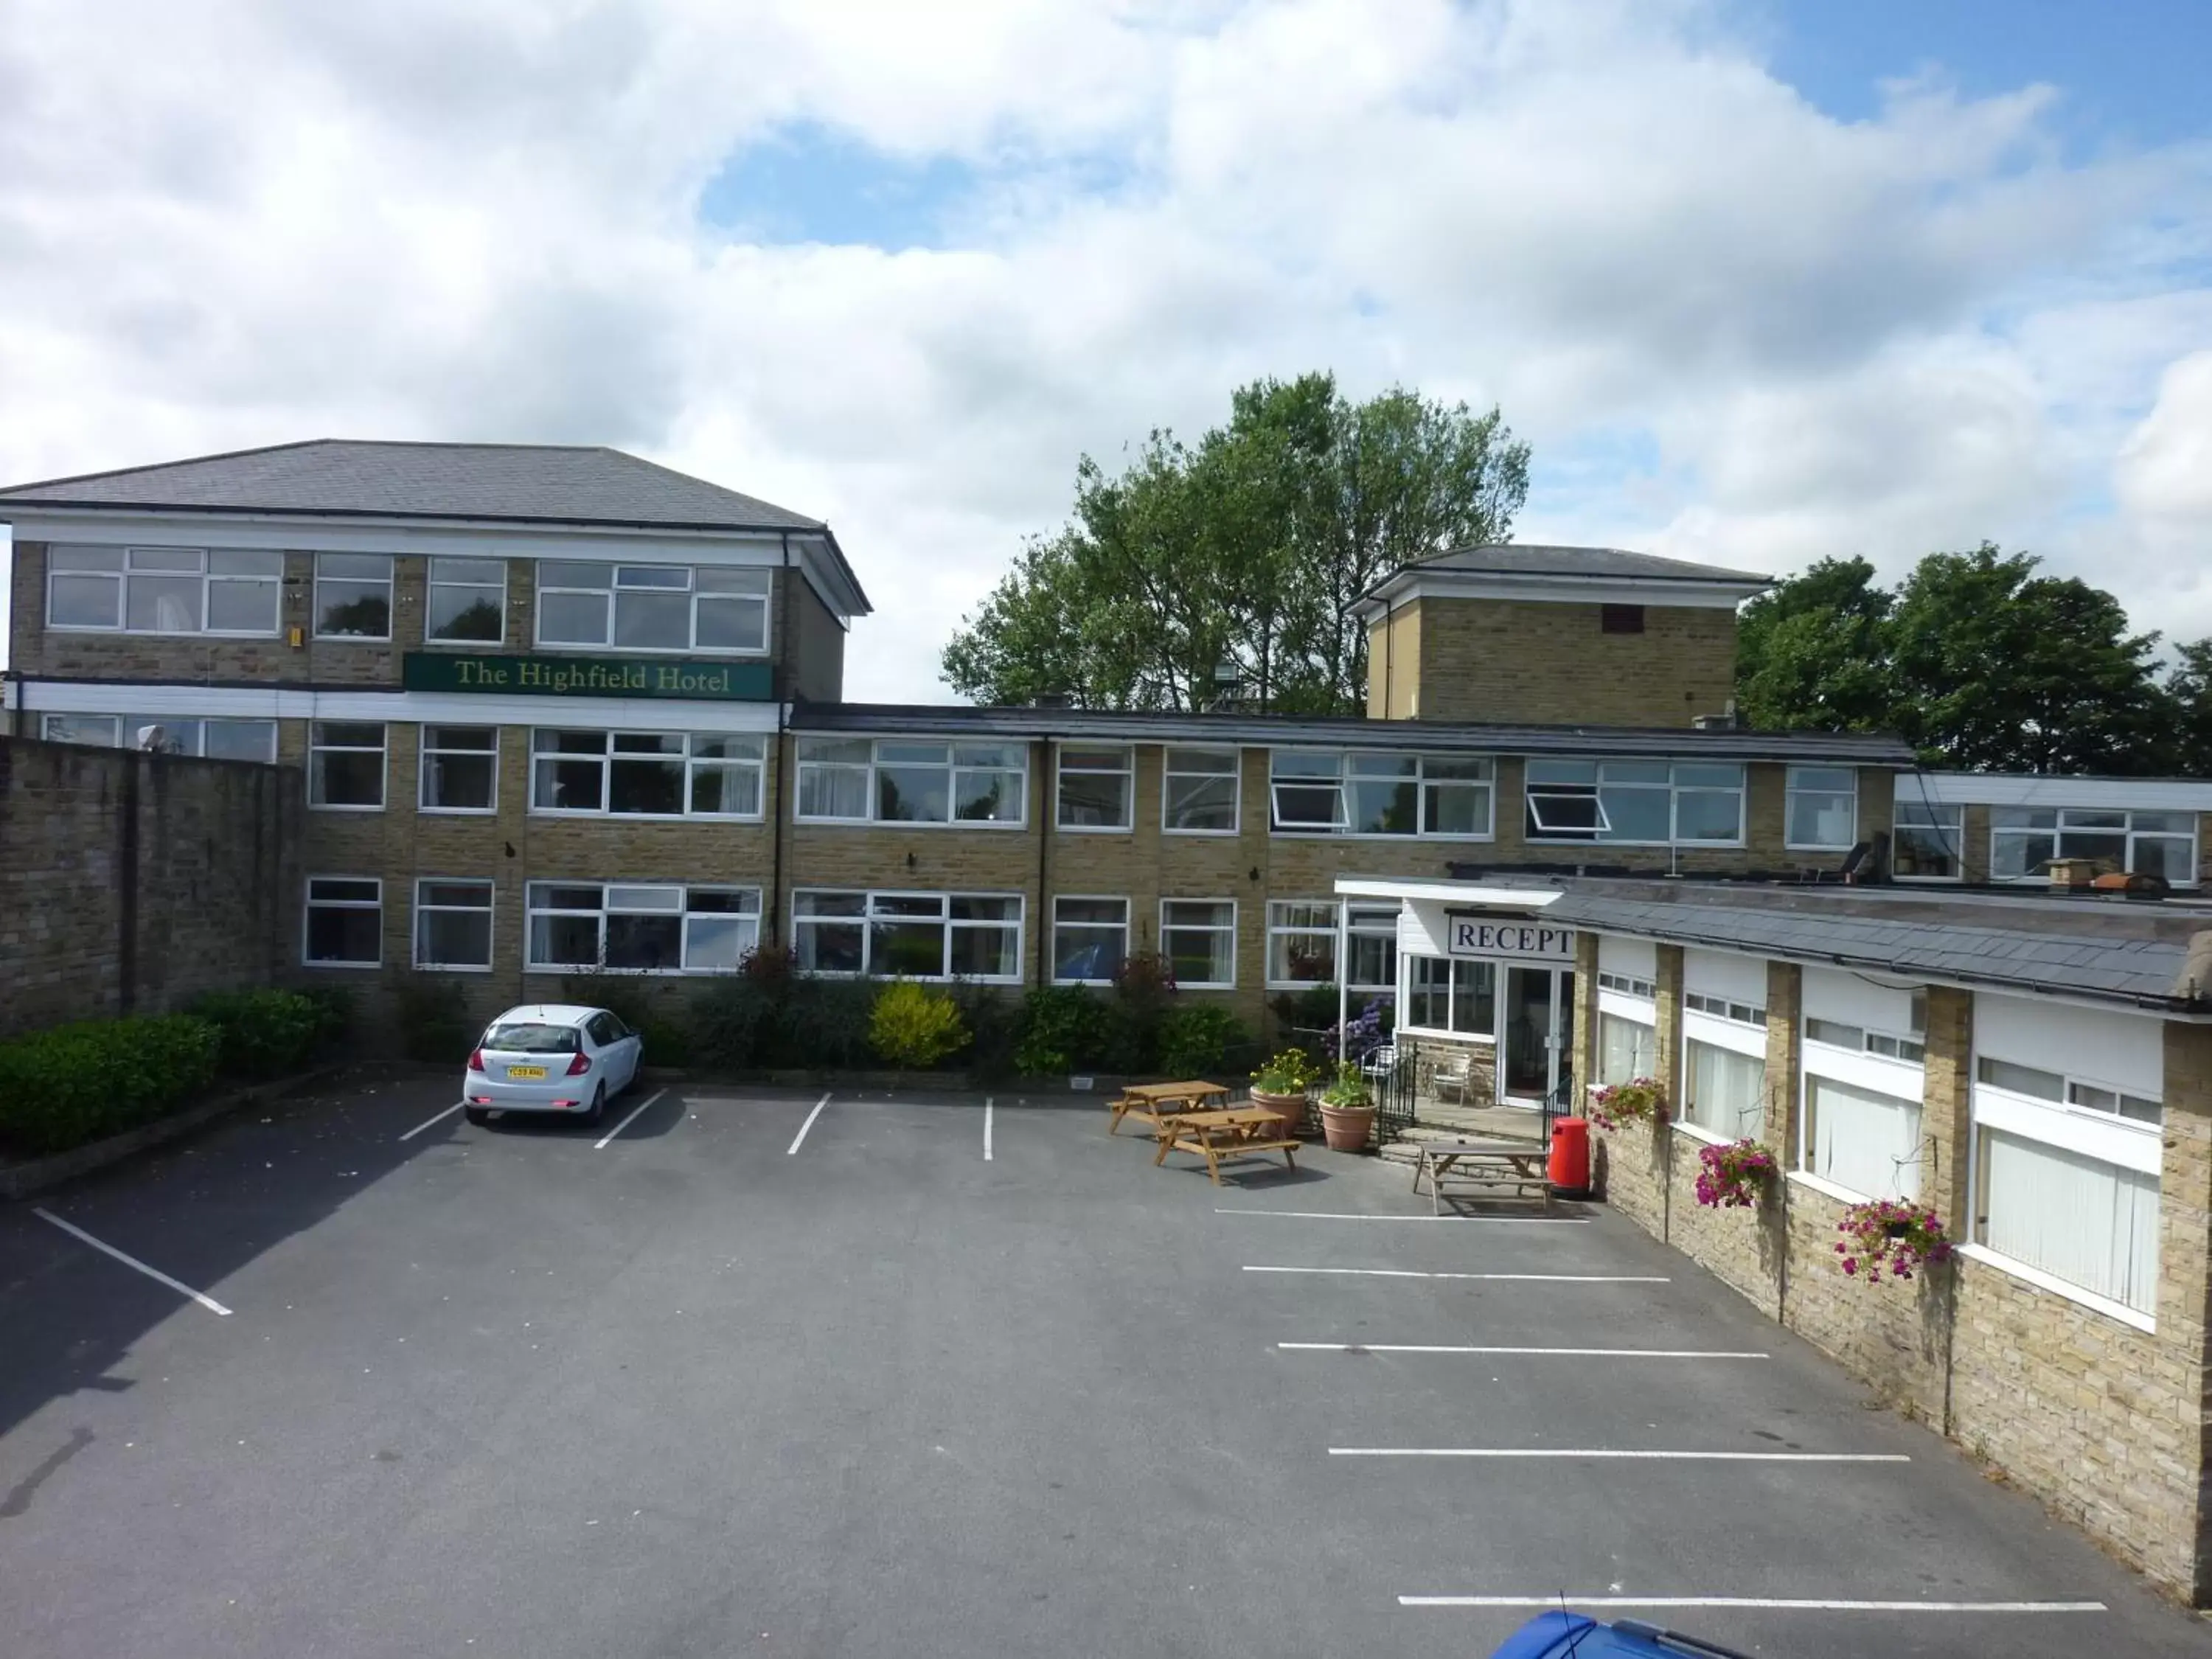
(2116, 949)
(1530, 559)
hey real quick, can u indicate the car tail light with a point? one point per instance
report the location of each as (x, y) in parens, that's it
(475, 1060)
(581, 1064)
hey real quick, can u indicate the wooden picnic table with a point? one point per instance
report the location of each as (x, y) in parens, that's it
(1479, 1169)
(1145, 1101)
(1230, 1132)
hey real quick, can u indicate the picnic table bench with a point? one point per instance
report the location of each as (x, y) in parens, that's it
(1233, 1132)
(1481, 1168)
(1146, 1101)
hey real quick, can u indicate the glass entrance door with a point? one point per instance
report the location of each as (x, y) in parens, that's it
(1535, 1019)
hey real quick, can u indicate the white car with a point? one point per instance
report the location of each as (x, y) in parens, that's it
(551, 1057)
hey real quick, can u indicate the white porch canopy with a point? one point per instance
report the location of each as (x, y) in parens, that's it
(1424, 904)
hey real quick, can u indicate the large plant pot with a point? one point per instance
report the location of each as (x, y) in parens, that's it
(1291, 1108)
(1346, 1128)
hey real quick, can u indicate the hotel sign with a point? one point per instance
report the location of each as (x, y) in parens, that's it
(1501, 939)
(587, 677)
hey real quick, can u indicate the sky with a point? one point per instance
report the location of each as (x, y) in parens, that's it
(1761, 281)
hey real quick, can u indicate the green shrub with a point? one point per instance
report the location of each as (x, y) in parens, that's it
(1061, 1029)
(1194, 1042)
(337, 1004)
(916, 1026)
(822, 1025)
(995, 1025)
(630, 999)
(733, 1022)
(263, 1033)
(435, 1025)
(63, 1087)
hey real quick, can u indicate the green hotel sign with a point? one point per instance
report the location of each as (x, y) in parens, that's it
(586, 677)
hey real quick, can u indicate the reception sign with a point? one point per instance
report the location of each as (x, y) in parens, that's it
(1504, 938)
(586, 677)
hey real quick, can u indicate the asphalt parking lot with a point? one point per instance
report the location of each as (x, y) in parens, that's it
(752, 1373)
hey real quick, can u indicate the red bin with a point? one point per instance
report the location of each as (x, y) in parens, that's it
(1568, 1171)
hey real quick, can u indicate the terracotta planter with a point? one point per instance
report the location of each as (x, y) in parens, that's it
(1346, 1128)
(1291, 1108)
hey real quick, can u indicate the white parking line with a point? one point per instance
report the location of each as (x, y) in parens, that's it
(1777, 1604)
(627, 1122)
(1586, 1452)
(1529, 1279)
(987, 1128)
(1347, 1215)
(440, 1118)
(207, 1302)
(1565, 1353)
(798, 1139)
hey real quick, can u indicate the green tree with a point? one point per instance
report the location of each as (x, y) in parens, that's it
(1814, 653)
(1246, 549)
(2189, 698)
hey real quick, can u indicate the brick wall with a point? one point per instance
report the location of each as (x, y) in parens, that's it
(132, 883)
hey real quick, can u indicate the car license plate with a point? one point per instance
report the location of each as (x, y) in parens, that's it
(525, 1071)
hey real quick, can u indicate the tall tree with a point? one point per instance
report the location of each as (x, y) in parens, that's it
(1814, 652)
(2189, 696)
(1246, 549)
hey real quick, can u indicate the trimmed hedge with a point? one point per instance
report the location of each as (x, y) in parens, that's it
(63, 1087)
(265, 1033)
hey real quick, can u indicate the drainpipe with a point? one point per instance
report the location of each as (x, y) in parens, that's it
(1047, 792)
(1343, 963)
(15, 678)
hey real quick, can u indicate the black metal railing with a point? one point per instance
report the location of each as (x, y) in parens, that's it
(1396, 1090)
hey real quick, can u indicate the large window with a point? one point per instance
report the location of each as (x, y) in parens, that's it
(452, 925)
(460, 768)
(1096, 788)
(653, 607)
(908, 935)
(1925, 840)
(247, 740)
(1301, 946)
(353, 596)
(646, 927)
(1863, 1139)
(1724, 1089)
(2023, 840)
(1359, 793)
(1446, 993)
(163, 590)
(2076, 1216)
(1198, 938)
(345, 765)
(1636, 802)
(468, 602)
(1822, 808)
(1198, 791)
(647, 773)
(343, 927)
(1090, 939)
(854, 781)
(1627, 1049)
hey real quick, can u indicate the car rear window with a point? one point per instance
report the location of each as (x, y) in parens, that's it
(531, 1039)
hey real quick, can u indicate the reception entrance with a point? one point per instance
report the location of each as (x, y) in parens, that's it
(1536, 1045)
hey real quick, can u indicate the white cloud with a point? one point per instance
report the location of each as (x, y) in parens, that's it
(247, 222)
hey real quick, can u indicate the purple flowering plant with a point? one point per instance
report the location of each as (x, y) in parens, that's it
(1361, 1035)
(1890, 1236)
(1640, 1100)
(1731, 1177)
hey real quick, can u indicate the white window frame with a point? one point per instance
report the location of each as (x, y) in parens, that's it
(1234, 774)
(425, 750)
(1455, 965)
(1535, 789)
(1377, 921)
(1950, 834)
(1347, 773)
(209, 578)
(308, 905)
(1059, 899)
(691, 762)
(1793, 788)
(122, 729)
(1214, 928)
(1623, 1010)
(2059, 827)
(628, 901)
(488, 910)
(953, 765)
(434, 582)
(1126, 772)
(383, 752)
(869, 916)
(385, 638)
(743, 582)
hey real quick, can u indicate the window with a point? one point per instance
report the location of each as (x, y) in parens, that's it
(1446, 993)
(653, 607)
(353, 596)
(1198, 791)
(641, 928)
(647, 773)
(247, 740)
(1743, 1013)
(1627, 1049)
(1199, 937)
(1924, 840)
(1863, 1140)
(1097, 787)
(460, 768)
(1822, 808)
(908, 935)
(163, 590)
(452, 925)
(1645, 803)
(1301, 946)
(1090, 938)
(1627, 985)
(842, 779)
(1621, 619)
(468, 601)
(2039, 1084)
(2076, 1217)
(344, 922)
(345, 765)
(2023, 840)
(1724, 1092)
(1889, 1044)
(1354, 793)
